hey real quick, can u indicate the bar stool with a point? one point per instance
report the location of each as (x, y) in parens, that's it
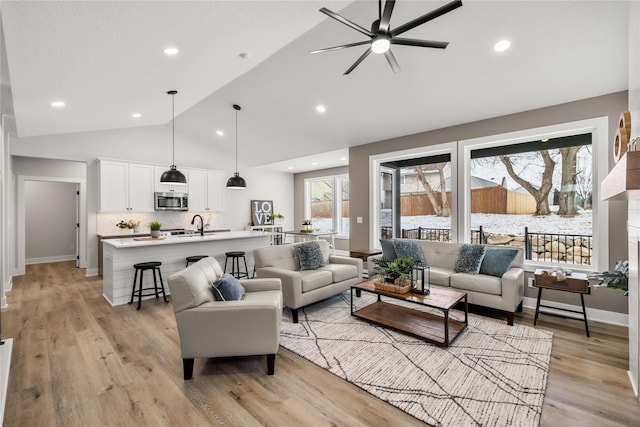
(141, 267)
(195, 258)
(235, 264)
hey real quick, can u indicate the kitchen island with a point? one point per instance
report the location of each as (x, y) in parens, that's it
(119, 255)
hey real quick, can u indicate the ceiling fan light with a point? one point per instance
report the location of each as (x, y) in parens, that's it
(380, 45)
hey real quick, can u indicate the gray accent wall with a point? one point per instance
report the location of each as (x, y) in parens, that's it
(607, 105)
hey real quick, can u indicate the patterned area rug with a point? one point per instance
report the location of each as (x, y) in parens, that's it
(492, 375)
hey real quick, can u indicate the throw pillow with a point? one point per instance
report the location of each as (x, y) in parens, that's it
(497, 261)
(388, 251)
(469, 259)
(227, 288)
(404, 247)
(310, 255)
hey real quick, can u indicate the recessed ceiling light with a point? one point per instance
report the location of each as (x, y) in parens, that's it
(219, 133)
(321, 109)
(171, 51)
(58, 104)
(502, 45)
(290, 167)
(315, 163)
(343, 158)
(136, 115)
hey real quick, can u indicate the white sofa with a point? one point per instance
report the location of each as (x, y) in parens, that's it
(210, 328)
(502, 293)
(303, 287)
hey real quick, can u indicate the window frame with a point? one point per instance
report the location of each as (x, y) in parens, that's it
(337, 181)
(461, 182)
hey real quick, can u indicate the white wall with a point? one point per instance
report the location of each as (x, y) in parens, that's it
(50, 219)
(141, 145)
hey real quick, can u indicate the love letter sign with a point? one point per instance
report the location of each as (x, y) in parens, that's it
(261, 211)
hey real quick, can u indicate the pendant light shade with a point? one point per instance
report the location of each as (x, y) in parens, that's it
(236, 182)
(173, 175)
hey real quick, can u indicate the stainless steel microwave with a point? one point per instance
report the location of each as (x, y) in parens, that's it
(171, 201)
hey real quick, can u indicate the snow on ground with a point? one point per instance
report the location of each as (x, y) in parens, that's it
(511, 224)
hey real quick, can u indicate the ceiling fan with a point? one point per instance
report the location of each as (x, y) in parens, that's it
(382, 36)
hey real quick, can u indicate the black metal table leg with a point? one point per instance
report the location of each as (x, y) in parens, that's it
(535, 320)
(584, 313)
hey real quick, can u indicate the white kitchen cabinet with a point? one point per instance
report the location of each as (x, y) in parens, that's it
(168, 188)
(206, 190)
(126, 187)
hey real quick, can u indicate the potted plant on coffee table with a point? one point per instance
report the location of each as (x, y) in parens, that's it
(395, 272)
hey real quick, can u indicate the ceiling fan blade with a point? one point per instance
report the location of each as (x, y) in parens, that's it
(344, 46)
(346, 22)
(427, 17)
(391, 59)
(358, 61)
(419, 43)
(386, 16)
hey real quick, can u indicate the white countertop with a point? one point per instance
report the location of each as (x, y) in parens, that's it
(187, 238)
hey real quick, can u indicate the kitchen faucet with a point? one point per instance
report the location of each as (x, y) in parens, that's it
(193, 221)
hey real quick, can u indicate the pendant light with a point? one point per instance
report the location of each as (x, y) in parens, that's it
(236, 182)
(173, 175)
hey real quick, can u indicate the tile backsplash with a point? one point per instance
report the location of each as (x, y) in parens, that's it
(106, 222)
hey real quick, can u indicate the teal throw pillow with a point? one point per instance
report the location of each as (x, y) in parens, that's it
(405, 247)
(469, 259)
(388, 251)
(310, 255)
(227, 288)
(497, 261)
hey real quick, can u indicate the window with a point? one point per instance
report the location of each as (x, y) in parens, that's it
(486, 198)
(327, 203)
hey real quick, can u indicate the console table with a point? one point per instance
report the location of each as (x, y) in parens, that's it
(576, 283)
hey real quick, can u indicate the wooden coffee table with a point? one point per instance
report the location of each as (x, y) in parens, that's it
(439, 329)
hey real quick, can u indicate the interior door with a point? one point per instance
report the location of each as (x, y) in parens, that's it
(78, 225)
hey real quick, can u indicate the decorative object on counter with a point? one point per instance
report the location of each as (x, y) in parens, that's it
(236, 182)
(420, 278)
(277, 218)
(393, 275)
(306, 226)
(616, 279)
(173, 175)
(129, 226)
(622, 137)
(155, 227)
(261, 212)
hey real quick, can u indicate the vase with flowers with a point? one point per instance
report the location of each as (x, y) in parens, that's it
(128, 226)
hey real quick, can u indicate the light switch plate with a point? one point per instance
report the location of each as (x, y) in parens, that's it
(359, 220)
(530, 282)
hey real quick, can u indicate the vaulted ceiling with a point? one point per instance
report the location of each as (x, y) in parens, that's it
(105, 60)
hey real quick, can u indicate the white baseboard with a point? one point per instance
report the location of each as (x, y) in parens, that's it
(603, 316)
(3, 304)
(5, 363)
(634, 386)
(43, 260)
(90, 272)
(8, 285)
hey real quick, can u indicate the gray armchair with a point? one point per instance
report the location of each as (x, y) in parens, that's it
(209, 328)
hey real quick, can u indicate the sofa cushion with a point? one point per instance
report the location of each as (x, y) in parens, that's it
(310, 255)
(227, 288)
(341, 272)
(477, 283)
(439, 276)
(469, 259)
(314, 279)
(410, 248)
(388, 250)
(497, 261)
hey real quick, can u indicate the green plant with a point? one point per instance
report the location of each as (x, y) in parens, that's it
(155, 225)
(399, 267)
(616, 279)
(277, 216)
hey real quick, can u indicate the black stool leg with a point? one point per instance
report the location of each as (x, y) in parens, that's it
(155, 282)
(140, 290)
(246, 269)
(225, 264)
(164, 295)
(237, 268)
(133, 289)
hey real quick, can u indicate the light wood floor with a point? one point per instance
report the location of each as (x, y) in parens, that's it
(78, 361)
